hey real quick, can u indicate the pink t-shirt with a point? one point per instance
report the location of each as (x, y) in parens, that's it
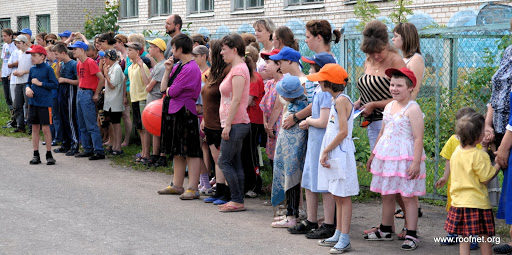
(226, 91)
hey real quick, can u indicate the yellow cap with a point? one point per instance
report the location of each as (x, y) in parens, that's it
(159, 43)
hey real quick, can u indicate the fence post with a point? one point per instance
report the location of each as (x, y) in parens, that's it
(353, 69)
(437, 86)
(454, 64)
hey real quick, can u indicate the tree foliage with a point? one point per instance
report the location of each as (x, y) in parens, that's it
(400, 12)
(366, 12)
(106, 22)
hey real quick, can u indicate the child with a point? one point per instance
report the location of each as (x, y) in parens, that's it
(7, 49)
(447, 153)
(156, 50)
(397, 161)
(471, 213)
(24, 65)
(138, 96)
(271, 107)
(290, 153)
(55, 128)
(90, 83)
(316, 124)
(13, 65)
(113, 105)
(68, 82)
(39, 90)
(338, 172)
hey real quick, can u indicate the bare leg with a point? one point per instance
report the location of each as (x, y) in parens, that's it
(35, 136)
(412, 212)
(47, 136)
(206, 158)
(156, 145)
(329, 206)
(344, 205)
(312, 205)
(116, 145)
(127, 126)
(485, 247)
(180, 165)
(219, 176)
(193, 172)
(400, 202)
(147, 144)
(388, 208)
(464, 248)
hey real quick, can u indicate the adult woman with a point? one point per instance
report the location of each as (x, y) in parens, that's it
(234, 119)
(211, 120)
(180, 127)
(406, 39)
(50, 39)
(263, 29)
(283, 36)
(496, 129)
(40, 39)
(120, 46)
(374, 85)
(319, 36)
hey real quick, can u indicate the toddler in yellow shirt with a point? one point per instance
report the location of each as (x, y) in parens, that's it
(470, 213)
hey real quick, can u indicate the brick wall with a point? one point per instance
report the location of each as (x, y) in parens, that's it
(64, 14)
(333, 10)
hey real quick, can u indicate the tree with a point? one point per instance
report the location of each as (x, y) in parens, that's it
(106, 22)
(366, 12)
(400, 11)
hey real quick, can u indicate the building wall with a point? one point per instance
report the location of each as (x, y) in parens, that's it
(64, 14)
(336, 11)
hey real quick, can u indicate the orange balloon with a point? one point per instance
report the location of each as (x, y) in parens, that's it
(152, 117)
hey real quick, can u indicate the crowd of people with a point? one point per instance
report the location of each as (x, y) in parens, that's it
(223, 100)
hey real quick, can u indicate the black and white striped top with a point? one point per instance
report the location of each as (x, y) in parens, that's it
(373, 88)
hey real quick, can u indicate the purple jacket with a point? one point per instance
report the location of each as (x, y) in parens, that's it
(185, 89)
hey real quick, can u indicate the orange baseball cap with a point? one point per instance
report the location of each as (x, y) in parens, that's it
(330, 72)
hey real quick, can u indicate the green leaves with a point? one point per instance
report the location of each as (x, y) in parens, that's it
(366, 12)
(400, 11)
(106, 22)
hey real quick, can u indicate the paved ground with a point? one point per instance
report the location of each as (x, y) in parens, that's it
(84, 207)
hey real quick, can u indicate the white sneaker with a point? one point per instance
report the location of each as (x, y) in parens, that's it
(251, 194)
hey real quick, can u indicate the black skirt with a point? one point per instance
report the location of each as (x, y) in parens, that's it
(180, 132)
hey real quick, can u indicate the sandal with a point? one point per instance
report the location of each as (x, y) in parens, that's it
(410, 243)
(374, 229)
(379, 236)
(399, 214)
(285, 223)
(502, 249)
(327, 243)
(402, 234)
(303, 227)
(231, 207)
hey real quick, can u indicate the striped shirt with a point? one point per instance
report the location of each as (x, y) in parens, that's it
(373, 88)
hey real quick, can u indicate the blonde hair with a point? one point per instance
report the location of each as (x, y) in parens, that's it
(137, 38)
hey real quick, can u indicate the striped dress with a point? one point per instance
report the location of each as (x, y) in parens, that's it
(373, 88)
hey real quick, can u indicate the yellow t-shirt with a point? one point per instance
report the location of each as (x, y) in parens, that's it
(468, 169)
(137, 88)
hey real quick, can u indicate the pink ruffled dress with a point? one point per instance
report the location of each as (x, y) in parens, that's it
(393, 155)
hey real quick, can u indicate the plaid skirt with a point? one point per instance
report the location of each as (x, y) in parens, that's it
(180, 132)
(470, 221)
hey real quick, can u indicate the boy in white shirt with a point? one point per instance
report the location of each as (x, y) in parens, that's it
(7, 49)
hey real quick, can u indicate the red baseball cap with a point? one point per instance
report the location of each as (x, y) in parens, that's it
(265, 55)
(404, 71)
(36, 49)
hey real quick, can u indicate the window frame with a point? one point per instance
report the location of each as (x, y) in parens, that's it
(245, 8)
(302, 3)
(123, 9)
(49, 22)
(19, 25)
(158, 11)
(199, 4)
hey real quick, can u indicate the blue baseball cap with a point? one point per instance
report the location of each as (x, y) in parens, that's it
(320, 59)
(287, 53)
(66, 33)
(290, 87)
(26, 31)
(79, 44)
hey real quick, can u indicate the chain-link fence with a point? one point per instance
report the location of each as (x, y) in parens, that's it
(459, 64)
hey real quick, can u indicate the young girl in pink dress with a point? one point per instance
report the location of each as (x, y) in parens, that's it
(397, 161)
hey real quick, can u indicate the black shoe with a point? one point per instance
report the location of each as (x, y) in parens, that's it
(72, 152)
(50, 161)
(19, 130)
(97, 156)
(162, 161)
(8, 125)
(55, 143)
(61, 150)
(303, 228)
(84, 154)
(35, 160)
(324, 231)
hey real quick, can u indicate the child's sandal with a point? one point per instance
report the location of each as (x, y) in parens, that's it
(402, 234)
(410, 243)
(379, 236)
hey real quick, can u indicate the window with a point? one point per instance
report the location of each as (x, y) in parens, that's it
(129, 8)
(23, 22)
(301, 2)
(5, 23)
(200, 6)
(248, 4)
(43, 23)
(160, 7)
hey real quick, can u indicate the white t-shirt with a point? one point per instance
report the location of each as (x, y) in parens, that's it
(114, 97)
(14, 57)
(24, 63)
(7, 50)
